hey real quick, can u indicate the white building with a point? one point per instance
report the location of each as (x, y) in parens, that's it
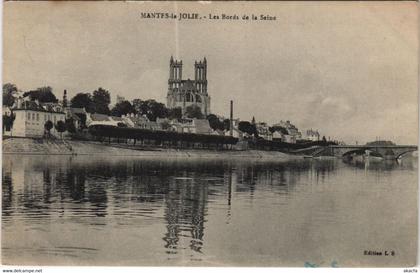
(30, 118)
(101, 119)
(290, 133)
(264, 131)
(139, 121)
(312, 135)
(192, 125)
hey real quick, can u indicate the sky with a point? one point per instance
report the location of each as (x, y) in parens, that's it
(349, 70)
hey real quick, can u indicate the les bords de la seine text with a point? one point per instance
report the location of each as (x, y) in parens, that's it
(196, 16)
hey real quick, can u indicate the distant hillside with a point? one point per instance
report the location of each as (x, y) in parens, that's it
(381, 143)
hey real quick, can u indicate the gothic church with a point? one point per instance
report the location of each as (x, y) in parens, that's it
(183, 93)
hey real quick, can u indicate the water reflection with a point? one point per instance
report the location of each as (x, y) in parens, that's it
(138, 192)
(379, 165)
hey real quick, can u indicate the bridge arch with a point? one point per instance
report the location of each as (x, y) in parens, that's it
(404, 153)
(351, 152)
(362, 152)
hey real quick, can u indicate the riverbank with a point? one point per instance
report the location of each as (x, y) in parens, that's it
(28, 146)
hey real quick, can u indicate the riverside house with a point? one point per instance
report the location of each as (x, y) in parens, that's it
(291, 133)
(312, 135)
(192, 125)
(139, 121)
(30, 118)
(263, 131)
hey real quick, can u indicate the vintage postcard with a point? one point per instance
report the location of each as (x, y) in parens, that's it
(269, 134)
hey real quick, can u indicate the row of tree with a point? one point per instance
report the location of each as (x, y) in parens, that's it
(60, 126)
(172, 138)
(42, 94)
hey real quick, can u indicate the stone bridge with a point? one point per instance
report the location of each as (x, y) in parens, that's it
(388, 152)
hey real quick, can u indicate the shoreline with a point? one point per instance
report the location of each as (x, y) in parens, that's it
(28, 146)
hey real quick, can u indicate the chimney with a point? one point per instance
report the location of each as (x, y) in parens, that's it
(231, 118)
(19, 103)
(65, 98)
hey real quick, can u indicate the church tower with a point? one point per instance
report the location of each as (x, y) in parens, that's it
(184, 93)
(200, 69)
(175, 74)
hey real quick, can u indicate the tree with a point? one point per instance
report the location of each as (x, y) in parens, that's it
(193, 111)
(70, 125)
(175, 113)
(247, 127)
(140, 106)
(83, 100)
(155, 110)
(42, 94)
(215, 122)
(324, 139)
(48, 126)
(8, 91)
(381, 143)
(101, 100)
(60, 126)
(226, 124)
(280, 129)
(8, 122)
(122, 108)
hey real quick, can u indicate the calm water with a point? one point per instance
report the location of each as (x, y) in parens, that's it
(127, 211)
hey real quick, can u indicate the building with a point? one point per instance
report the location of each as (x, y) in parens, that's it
(290, 133)
(263, 130)
(30, 118)
(101, 119)
(278, 135)
(138, 121)
(77, 115)
(184, 93)
(235, 131)
(51, 106)
(192, 125)
(312, 135)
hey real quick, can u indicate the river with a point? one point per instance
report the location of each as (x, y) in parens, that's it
(85, 210)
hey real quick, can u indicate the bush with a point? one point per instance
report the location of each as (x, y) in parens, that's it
(60, 126)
